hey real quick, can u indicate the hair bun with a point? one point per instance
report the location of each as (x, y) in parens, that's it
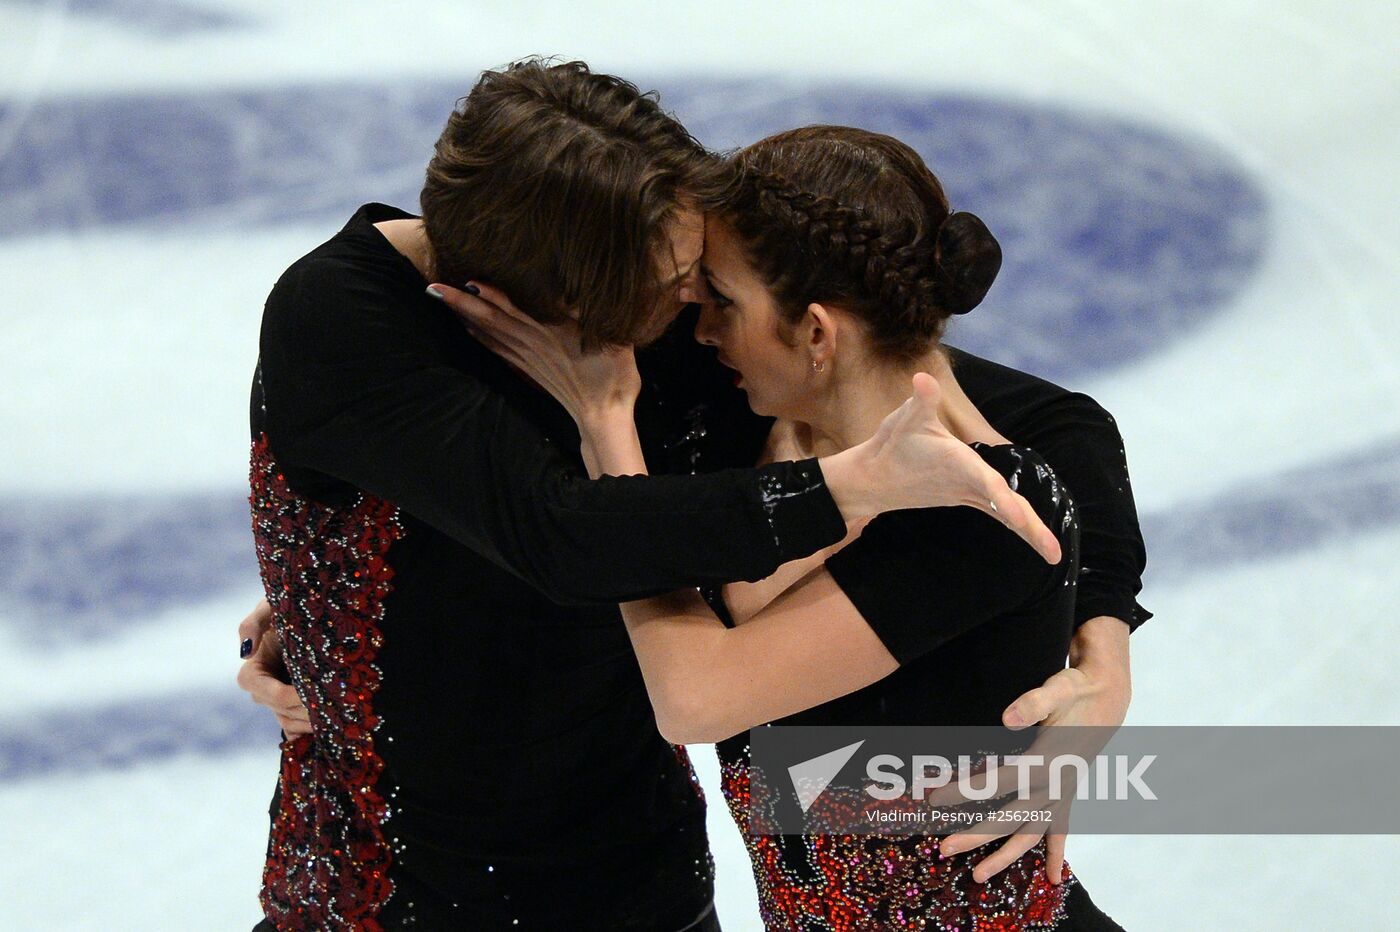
(966, 260)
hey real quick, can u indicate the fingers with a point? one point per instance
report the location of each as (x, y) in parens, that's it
(488, 309)
(294, 728)
(1017, 514)
(1036, 705)
(251, 628)
(282, 699)
(489, 340)
(1010, 507)
(498, 300)
(927, 392)
(258, 680)
(257, 677)
(967, 840)
(923, 404)
(1055, 857)
(1005, 856)
(997, 497)
(473, 309)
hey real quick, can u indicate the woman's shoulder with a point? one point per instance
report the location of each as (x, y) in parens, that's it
(965, 532)
(1028, 474)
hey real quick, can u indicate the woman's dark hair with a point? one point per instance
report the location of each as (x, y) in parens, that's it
(555, 184)
(834, 214)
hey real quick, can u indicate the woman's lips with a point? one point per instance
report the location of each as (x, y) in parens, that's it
(728, 365)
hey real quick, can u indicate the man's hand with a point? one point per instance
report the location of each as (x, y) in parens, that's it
(914, 461)
(1093, 696)
(262, 674)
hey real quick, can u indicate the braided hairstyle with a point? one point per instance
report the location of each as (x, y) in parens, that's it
(834, 214)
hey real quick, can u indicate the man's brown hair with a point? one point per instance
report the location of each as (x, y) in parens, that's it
(555, 184)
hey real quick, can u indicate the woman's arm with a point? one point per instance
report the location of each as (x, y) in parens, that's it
(945, 572)
(808, 644)
(804, 647)
(786, 441)
(708, 682)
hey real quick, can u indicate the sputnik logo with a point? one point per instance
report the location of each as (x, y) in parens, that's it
(811, 777)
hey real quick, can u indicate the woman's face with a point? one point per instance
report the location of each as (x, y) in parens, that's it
(740, 319)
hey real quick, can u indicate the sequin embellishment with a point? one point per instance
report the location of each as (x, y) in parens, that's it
(324, 571)
(874, 883)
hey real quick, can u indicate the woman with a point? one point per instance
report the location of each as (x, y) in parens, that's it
(834, 264)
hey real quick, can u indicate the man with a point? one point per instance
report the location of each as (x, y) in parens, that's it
(444, 581)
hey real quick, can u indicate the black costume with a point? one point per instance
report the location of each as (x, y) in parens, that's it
(975, 618)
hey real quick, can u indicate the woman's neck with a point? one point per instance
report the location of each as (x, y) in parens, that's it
(861, 396)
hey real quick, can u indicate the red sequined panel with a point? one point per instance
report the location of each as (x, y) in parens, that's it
(324, 572)
(876, 883)
(683, 756)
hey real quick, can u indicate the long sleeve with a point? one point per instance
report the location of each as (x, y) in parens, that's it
(395, 400)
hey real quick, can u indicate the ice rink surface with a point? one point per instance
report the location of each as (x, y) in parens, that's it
(1198, 206)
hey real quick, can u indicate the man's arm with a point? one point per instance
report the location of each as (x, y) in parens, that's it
(1081, 442)
(353, 393)
(379, 403)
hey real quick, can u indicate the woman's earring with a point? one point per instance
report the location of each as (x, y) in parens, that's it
(818, 366)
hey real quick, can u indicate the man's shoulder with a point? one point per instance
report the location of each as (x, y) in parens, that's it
(982, 374)
(355, 259)
(1003, 392)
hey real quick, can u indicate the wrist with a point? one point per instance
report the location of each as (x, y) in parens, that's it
(1099, 649)
(603, 418)
(608, 442)
(848, 479)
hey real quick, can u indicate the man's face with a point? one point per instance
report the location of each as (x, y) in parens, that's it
(679, 267)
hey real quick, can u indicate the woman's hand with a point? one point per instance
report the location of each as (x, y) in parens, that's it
(262, 675)
(913, 461)
(593, 387)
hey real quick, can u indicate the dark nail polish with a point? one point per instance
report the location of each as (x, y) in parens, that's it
(245, 648)
(469, 288)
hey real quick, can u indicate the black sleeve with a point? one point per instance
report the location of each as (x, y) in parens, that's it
(1081, 442)
(923, 576)
(353, 393)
